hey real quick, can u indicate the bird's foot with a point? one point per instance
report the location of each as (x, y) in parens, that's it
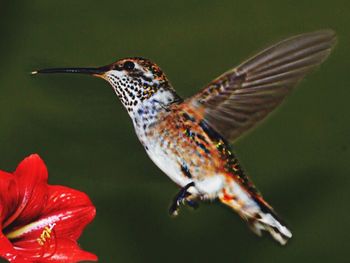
(183, 197)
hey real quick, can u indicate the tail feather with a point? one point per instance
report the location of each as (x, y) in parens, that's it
(253, 209)
(268, 223)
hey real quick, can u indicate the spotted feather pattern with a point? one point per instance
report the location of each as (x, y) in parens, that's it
(182, 143)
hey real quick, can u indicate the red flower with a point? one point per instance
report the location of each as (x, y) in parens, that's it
(39, 222)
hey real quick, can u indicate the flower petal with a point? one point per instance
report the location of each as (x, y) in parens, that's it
(67, 213)
(73, 208)
(31, 175)
(5, 245)
(8, 196)
(8, 252)
(56, 250)
(39, 240)
(62, 197)
(69, 252)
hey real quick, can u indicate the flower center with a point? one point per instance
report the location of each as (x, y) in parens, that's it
(45, 240)
(46, 234)
(42, 238)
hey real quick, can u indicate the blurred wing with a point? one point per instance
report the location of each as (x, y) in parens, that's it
(243, 96)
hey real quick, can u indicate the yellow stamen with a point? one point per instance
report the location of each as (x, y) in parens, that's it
(28, 228)
(46, 234)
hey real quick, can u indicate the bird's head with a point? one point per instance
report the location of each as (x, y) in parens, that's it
(134, 80)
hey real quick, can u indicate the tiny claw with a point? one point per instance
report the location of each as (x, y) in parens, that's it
(180, 198)
(174, 210)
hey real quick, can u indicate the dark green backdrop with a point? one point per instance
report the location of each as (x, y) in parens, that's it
(299, 158)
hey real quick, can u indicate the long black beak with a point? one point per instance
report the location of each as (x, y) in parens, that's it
(90, 71)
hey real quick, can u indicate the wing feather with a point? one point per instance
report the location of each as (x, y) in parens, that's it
(243, 96)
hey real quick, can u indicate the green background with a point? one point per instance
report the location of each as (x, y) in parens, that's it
(299, 158)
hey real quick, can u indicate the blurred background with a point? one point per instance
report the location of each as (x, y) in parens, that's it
(298, 158)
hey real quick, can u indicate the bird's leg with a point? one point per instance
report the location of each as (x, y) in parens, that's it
(183, 196)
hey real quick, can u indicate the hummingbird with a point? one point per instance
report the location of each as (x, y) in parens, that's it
(190, 139)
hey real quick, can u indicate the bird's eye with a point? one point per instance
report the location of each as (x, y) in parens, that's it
(129, 65)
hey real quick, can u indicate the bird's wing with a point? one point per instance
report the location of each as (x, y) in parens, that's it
(243, 96)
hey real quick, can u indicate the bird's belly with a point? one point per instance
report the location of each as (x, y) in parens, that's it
(166, 162)
(169, 163)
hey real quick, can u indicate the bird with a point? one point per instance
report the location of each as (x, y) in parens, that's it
(191, 139)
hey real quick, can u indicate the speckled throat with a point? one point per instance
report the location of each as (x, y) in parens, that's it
(142, 90)
(146, 99)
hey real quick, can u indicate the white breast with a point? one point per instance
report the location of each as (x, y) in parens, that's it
(167, 163)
